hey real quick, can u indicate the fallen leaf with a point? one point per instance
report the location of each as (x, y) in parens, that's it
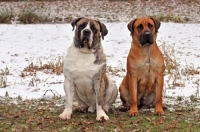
(29, 119)
(148, 119)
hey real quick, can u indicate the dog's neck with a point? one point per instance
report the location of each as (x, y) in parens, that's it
(145, 50)
(86, 50)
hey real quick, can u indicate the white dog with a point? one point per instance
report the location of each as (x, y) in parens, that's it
(85, 71)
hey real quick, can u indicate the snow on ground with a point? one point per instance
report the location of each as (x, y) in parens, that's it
(22, 44)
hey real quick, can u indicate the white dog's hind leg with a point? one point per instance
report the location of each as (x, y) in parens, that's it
(91, 109)
(111, 95)
(69, 91)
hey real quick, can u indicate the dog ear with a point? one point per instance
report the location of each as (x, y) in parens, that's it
(130, 26)
(157, 24)
(103, 30)
(75, 21)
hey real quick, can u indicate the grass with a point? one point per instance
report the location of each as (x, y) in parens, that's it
(26, 15)
(39, 11)
(31, 14)
(42, 115)
(170, 17)
(177, 75)
(6, 14)
(28, 0)
(54, 66)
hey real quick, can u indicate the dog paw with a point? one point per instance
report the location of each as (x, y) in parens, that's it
(91, 109)
(133, 112)
(123, 108)
(159, 112)
(102, 117)
(65, 115)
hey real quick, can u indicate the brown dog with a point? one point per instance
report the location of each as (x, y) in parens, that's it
(143, 83)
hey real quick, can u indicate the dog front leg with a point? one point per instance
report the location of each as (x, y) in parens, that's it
(133, 96)
(159, 89)
(101, 115)
(69, 91)
(100, 82)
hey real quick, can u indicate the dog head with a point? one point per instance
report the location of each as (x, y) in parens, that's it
(144, 30)
(88, 33)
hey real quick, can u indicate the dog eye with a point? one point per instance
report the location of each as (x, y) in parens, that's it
(93, 28)
(82, 25)
(140, 27)
(150, 25)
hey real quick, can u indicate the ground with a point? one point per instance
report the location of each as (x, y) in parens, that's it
(31, 79)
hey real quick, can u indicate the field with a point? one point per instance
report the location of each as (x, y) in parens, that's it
(31, 78)
(42, 115)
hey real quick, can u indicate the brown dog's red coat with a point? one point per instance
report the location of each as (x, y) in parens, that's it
(145, 67)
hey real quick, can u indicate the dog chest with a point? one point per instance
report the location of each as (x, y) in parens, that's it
(147, 72)
(80, 66)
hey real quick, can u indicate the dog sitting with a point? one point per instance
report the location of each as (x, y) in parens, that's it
(143, 83)
(85, 71)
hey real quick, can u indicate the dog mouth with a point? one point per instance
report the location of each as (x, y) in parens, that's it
(145, 41)
(86, 43)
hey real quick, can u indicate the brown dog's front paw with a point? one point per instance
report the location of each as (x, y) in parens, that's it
(124, 108)
(159, 112)
(133, 112)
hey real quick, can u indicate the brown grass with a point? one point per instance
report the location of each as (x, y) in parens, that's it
(53, 66)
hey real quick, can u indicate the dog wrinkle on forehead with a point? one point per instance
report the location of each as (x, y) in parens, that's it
(96, 24)
(145, 21)
(84, 20)
(89, 22)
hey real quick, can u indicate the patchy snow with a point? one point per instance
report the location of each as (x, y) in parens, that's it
(106, 10)
(20, 45)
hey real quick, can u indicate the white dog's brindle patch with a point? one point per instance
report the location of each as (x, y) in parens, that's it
(85, 71)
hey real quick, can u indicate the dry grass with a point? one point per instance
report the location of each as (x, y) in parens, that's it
(3, 82)
(26, 14)
(172, 68)
(50, 67)
(3, 79)
(170, 17)
(116, 71)
(44, 11)
(6, 15)
(5, 71)
(177, 75)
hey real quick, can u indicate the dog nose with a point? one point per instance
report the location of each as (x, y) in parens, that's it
(86, 32)
(146, 33)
